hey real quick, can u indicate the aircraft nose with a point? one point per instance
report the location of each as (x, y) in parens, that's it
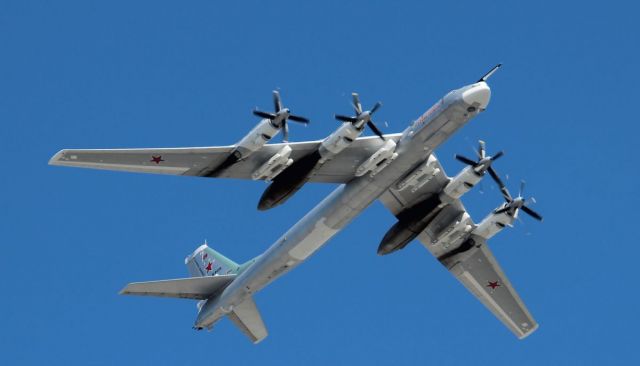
(479, 93)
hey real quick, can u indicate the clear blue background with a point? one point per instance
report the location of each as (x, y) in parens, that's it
(80, 74)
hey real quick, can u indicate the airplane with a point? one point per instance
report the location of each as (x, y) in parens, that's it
(401, 170)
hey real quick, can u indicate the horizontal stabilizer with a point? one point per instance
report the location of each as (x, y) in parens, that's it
(246, 317)
(197, 288)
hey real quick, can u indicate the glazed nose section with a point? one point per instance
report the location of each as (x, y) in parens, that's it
(478, 95)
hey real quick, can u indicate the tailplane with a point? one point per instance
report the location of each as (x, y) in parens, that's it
(197, 288)
(210, 273)
(246, 317)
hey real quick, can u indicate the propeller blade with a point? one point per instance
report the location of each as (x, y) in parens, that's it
(503, 188)
(375, 107)
(342, 118)
(486, 76)
(285, 131)
(465, 160)
(298, 119)
(356, 103)
(522, 183)
(481, 149)
(497, 155)
(375, 129)
(264, 114)
(504, 209)
(277, 102)
(532, 213)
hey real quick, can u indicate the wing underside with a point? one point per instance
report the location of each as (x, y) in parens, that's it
(473, 265)
(197, 161)
(478, 270)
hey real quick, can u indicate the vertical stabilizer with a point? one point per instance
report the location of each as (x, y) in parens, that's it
(205, 261)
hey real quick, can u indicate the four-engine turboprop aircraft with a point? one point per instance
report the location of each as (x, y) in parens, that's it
(398, 169)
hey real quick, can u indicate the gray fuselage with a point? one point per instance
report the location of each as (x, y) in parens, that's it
(337, 210)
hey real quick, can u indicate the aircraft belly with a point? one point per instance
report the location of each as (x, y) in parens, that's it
(338, 209)
(312, 241)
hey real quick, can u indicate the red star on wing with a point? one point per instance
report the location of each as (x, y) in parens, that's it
(208, 267)
(493, 285)
(156, 159)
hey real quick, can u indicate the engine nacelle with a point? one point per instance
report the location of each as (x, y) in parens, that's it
(411, 222)
(256, 138)
(339, 140)
(493, 224)
(379, 160)
(420, 175)
(462, 183)
(450, 230)
(274, 166)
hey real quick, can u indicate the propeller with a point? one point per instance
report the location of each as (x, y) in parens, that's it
(362, 117)
(483, 164)
(281, 116)
(519, 202)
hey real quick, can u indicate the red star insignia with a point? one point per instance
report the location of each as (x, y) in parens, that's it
(208, 267)
(156, 159)
(493, 285)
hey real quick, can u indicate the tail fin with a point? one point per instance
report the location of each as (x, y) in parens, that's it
(205, 261)
(210, 273)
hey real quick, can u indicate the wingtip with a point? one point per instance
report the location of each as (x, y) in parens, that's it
(531, 331)
(55, 159)
(258, 340)
(125, 290)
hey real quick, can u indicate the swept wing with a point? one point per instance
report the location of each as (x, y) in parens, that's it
(198, 161)
(473, 265)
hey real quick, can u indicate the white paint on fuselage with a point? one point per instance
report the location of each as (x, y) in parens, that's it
(347, 201)
(313, 241)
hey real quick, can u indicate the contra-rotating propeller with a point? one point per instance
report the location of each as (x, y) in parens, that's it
(362, 117)
(519, 202)
(281, 116)
(483, 164)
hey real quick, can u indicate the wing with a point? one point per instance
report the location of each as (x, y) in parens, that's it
(470, 261)
(396, 200)
(477, 269)
(197, 161)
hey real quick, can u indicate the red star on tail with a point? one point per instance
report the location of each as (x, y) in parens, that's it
(493, 285)
(156, 159)
(208, 267)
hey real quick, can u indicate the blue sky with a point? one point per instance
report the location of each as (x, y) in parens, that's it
(82, 74)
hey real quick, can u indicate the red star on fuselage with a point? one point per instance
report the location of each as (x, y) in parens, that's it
(493, 285)
(156, 159)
